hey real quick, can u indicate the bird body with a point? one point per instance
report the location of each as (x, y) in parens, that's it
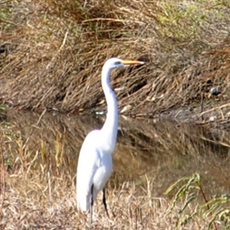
(95, 160)
(97, 171)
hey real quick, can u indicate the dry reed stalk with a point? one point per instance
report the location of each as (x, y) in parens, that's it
(185, 50)
(145, 157)
(28, 208)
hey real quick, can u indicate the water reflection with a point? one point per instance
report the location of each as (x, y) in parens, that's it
(161, 151)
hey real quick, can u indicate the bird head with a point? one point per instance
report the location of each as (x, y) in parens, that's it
(116, 63)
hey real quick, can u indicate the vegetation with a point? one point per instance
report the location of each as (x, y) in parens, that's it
(52, 53)
(217, 209)
(38, 174)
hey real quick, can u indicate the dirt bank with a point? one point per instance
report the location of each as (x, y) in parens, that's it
(51, 54)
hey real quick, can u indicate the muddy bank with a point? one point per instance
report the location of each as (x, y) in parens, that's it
(51, 55)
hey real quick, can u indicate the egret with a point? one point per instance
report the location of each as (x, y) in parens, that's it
(95, 159)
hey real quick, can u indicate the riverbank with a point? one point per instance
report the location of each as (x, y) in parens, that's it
(38, 172)
(52, 54)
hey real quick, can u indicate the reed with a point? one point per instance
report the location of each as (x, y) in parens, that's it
(52, 54)
(38, 173)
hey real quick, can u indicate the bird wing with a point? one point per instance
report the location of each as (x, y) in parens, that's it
(88, 163)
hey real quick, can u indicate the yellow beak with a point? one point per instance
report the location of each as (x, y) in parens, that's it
(129, 62)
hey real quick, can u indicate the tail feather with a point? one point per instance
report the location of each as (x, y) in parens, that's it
(82, 201)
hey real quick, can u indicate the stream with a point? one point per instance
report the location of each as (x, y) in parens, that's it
(156, 150)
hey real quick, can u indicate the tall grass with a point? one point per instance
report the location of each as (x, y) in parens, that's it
(38, 173)
(54, 52)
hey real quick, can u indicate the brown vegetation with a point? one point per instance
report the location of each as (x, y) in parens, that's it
(52, 54)
(38, 172)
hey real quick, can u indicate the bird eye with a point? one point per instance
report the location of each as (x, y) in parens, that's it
(117, 63)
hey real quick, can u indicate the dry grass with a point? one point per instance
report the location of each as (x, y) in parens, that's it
(43, 202)
(39, 166)
(51, 56)
(54, 53)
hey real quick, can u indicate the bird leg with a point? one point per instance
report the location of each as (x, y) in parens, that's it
(91, 205)
(104, 202)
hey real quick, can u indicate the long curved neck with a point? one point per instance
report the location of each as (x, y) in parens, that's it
(110, 126)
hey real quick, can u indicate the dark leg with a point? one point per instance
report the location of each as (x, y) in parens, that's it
(104, 202)
(91, 205)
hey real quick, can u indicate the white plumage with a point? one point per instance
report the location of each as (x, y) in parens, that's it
(95, 160)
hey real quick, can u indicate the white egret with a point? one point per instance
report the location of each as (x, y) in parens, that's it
(95, 159)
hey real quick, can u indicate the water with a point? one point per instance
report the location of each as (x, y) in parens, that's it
(160, 151)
